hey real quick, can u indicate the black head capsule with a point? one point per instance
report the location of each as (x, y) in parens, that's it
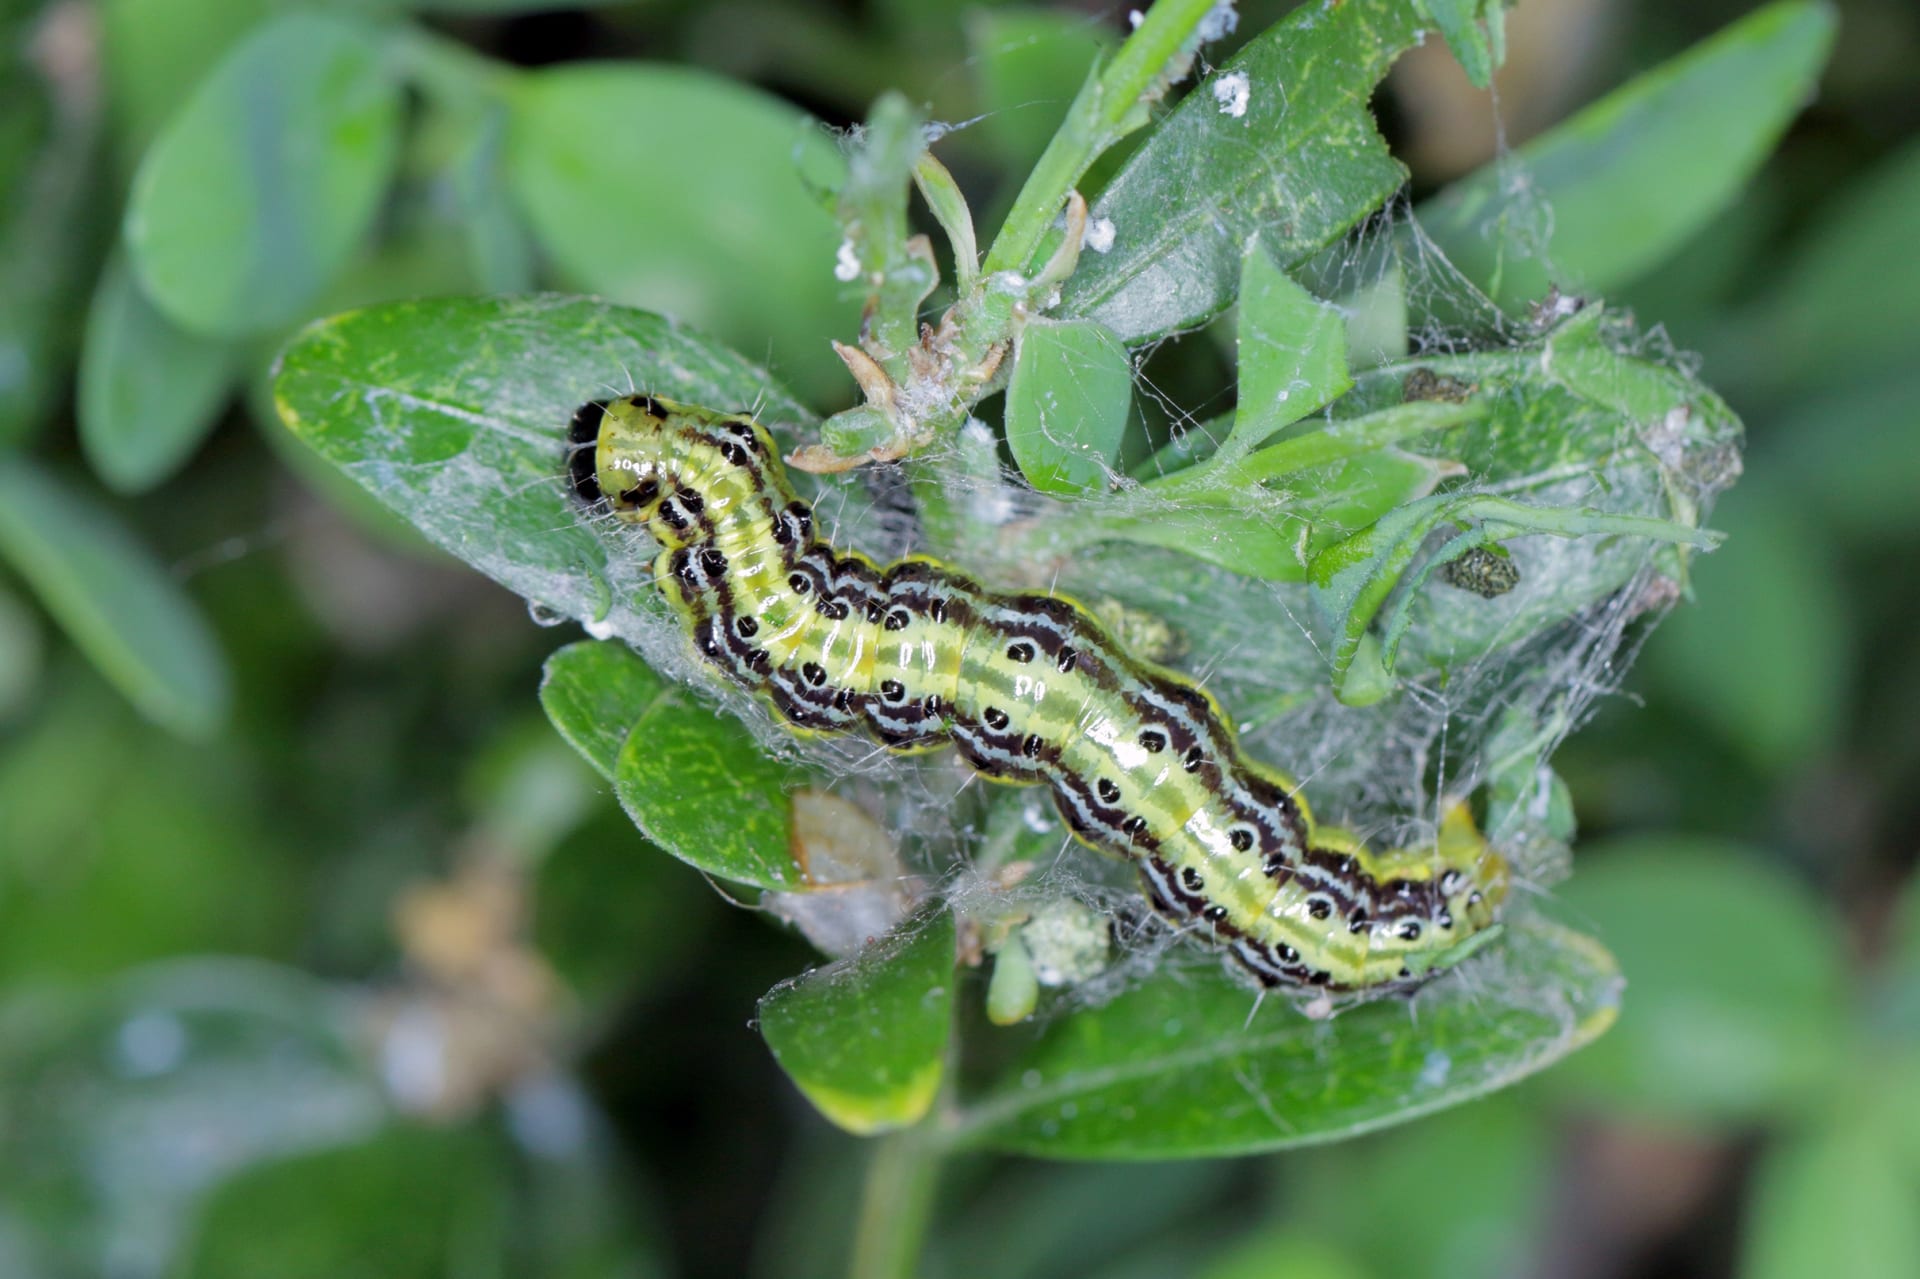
(583, 438)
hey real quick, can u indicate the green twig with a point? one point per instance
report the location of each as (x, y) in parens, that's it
(1110, 105)
(895, 1205)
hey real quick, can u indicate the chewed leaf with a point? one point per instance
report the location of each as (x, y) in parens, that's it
(454, 412)
(866, 1039)
(1476, 32)
(700, 787)
(1177, 1068)
(1293, 353)
(1300, 165)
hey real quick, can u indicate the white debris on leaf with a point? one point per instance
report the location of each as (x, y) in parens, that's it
(1135, 18)
(1233, 91)
(1099, 236)
(1067, 942)
(603, 629)
(846, 265)
(1222, 21)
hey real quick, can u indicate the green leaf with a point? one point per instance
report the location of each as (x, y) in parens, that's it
(22, 654)
(701, 786)
(1353, 580)
(684, 192)
(52, 218)
(1737, 1006)
(594, 691)
(1854, 457)
(1839, 1201)
(866, 1038)
(1476, 31)
(1067, 405)
(114, 600)
(1611, 192)
(149, 390)
(1026, 65)
(1292, 349)
(263, 185)
(1241, 526)
(1257, 540)
(1763, 654)
(1849, 296)
(402, 1206)
(1176, 1067)
(1300, 167)
(156, 51)
(454, 413)
(1345, 439)
(499, 245)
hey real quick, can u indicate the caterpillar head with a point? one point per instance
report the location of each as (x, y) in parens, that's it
(665, 465)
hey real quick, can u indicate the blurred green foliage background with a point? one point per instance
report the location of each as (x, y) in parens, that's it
(321, 954)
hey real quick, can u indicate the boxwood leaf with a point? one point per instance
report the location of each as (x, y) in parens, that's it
(1292, 349)
(1301, 165)
(1717, 1029)
(454, 414)
(697, 205)
(267, 180)
(700, 786)
(1838, 1199)
(149, 390)
(119, 605)
(594, 691)
(1176, 1067)
(866, 1038)
(1067, 404)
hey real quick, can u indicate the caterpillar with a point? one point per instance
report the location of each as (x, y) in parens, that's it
(1030, 689)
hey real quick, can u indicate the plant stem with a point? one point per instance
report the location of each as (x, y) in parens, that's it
(895, 1205)
(1098, 118)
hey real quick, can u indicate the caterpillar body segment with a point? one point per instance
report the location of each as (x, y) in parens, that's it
(1030, 689)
